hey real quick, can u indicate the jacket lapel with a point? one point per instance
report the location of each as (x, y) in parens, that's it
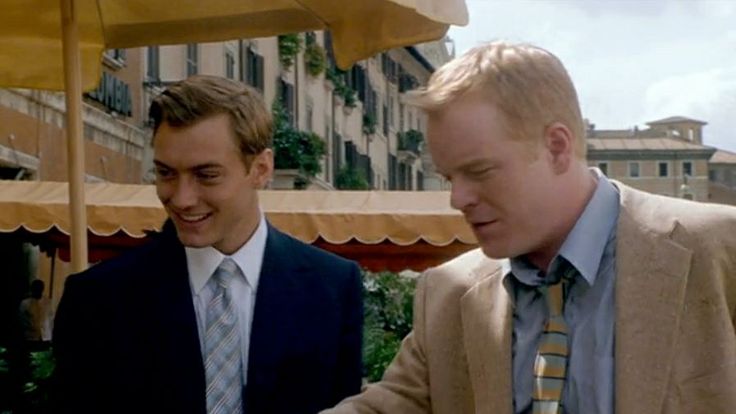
(651, 276)
(274, 316)
(486, 317)
(178, 372)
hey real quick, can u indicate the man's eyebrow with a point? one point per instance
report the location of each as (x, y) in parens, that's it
(206, 166)
(193, 168)
(478, 163)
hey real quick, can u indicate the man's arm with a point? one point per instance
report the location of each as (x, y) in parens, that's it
(405, 385)
(350, 360)
(74, 347)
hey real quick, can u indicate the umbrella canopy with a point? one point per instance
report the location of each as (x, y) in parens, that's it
(382, 229)
(359, 29)
(67, 38)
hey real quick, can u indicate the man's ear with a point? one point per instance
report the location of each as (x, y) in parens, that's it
(560, 145)
(261, 168)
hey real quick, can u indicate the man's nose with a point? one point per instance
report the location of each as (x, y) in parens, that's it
(462, 196)
(185, 194)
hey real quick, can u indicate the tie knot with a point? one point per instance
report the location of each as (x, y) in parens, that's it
(225, 272)
(555, 292)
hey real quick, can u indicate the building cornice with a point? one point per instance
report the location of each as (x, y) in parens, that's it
(624, 155)
(414, 52)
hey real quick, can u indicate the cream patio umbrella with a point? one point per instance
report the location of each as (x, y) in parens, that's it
(58, 45)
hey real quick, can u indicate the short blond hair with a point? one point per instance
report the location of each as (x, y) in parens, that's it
(528, 84)
(189, 101)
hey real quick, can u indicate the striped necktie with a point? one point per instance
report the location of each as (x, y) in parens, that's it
(223, 370)
(550, 365)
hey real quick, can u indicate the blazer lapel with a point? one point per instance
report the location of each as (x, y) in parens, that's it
(176, 350)
(651, 276)
(486, 317)
(274, 316)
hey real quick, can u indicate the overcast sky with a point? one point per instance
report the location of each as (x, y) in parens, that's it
(632, 61)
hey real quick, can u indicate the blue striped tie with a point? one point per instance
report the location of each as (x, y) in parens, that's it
(550, 365)
(223, 366)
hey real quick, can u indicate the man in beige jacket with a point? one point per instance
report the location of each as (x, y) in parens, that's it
(648, 283)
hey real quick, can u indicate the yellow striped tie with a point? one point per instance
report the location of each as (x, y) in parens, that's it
(550, 365)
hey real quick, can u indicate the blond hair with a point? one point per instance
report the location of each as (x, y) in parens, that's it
(528, 84)
(198, 97)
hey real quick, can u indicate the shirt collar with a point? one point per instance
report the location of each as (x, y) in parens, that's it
(585, 244)
(202, 262)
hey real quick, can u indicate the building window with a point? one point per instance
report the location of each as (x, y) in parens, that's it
(663, 169)
(401, 117)
(393, 172)
(328, 158)
(337, 149)
(153, 72)
(286, 96)
(603, 166)
(634, 169)
(229, 65)
(310, 115)
(713, 175)
(192, 59)
(385, 120)
(118, 55)
(391, 120)
(251, 67)
(687, 168)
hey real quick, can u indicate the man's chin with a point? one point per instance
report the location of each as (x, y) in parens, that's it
(496, 251)
(190, 240)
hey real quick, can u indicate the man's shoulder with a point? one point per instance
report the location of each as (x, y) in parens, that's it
(465, 270)
(127, 267)
(652, 209)
(299, 250)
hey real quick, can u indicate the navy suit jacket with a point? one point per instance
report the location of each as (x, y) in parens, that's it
(126, 338)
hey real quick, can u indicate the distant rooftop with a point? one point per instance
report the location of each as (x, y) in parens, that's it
(723, 157)
(643, 144)
(675, 119)
(611, 133)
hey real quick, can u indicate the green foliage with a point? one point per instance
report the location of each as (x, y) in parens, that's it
(388, 301)
(369, 124)
(36, 390)
(42, 366)
(341, 88)
(410, 140)
(351, 178)
(3, 362)
(289, 47)
(315, 57)
(294, 149)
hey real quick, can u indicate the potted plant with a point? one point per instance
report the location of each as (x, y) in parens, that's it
(410, 140)
(350, 178)
(369, 124)
(289, 47)
(315, 57)
(342, 90)
(301, 151)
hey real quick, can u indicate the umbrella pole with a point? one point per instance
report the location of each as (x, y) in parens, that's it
(75, 144)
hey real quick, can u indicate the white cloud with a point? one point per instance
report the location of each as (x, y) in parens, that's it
(632, 61)
(709, 96)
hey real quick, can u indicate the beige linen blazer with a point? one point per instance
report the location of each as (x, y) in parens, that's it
(675, 349)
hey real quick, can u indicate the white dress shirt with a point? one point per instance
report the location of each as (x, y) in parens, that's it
(202, 263)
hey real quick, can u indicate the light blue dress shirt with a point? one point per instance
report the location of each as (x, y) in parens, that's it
(589, 310)
(202, 263)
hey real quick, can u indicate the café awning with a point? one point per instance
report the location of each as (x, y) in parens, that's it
(384, 228)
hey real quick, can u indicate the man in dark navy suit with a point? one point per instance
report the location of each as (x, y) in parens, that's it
(220, 313)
